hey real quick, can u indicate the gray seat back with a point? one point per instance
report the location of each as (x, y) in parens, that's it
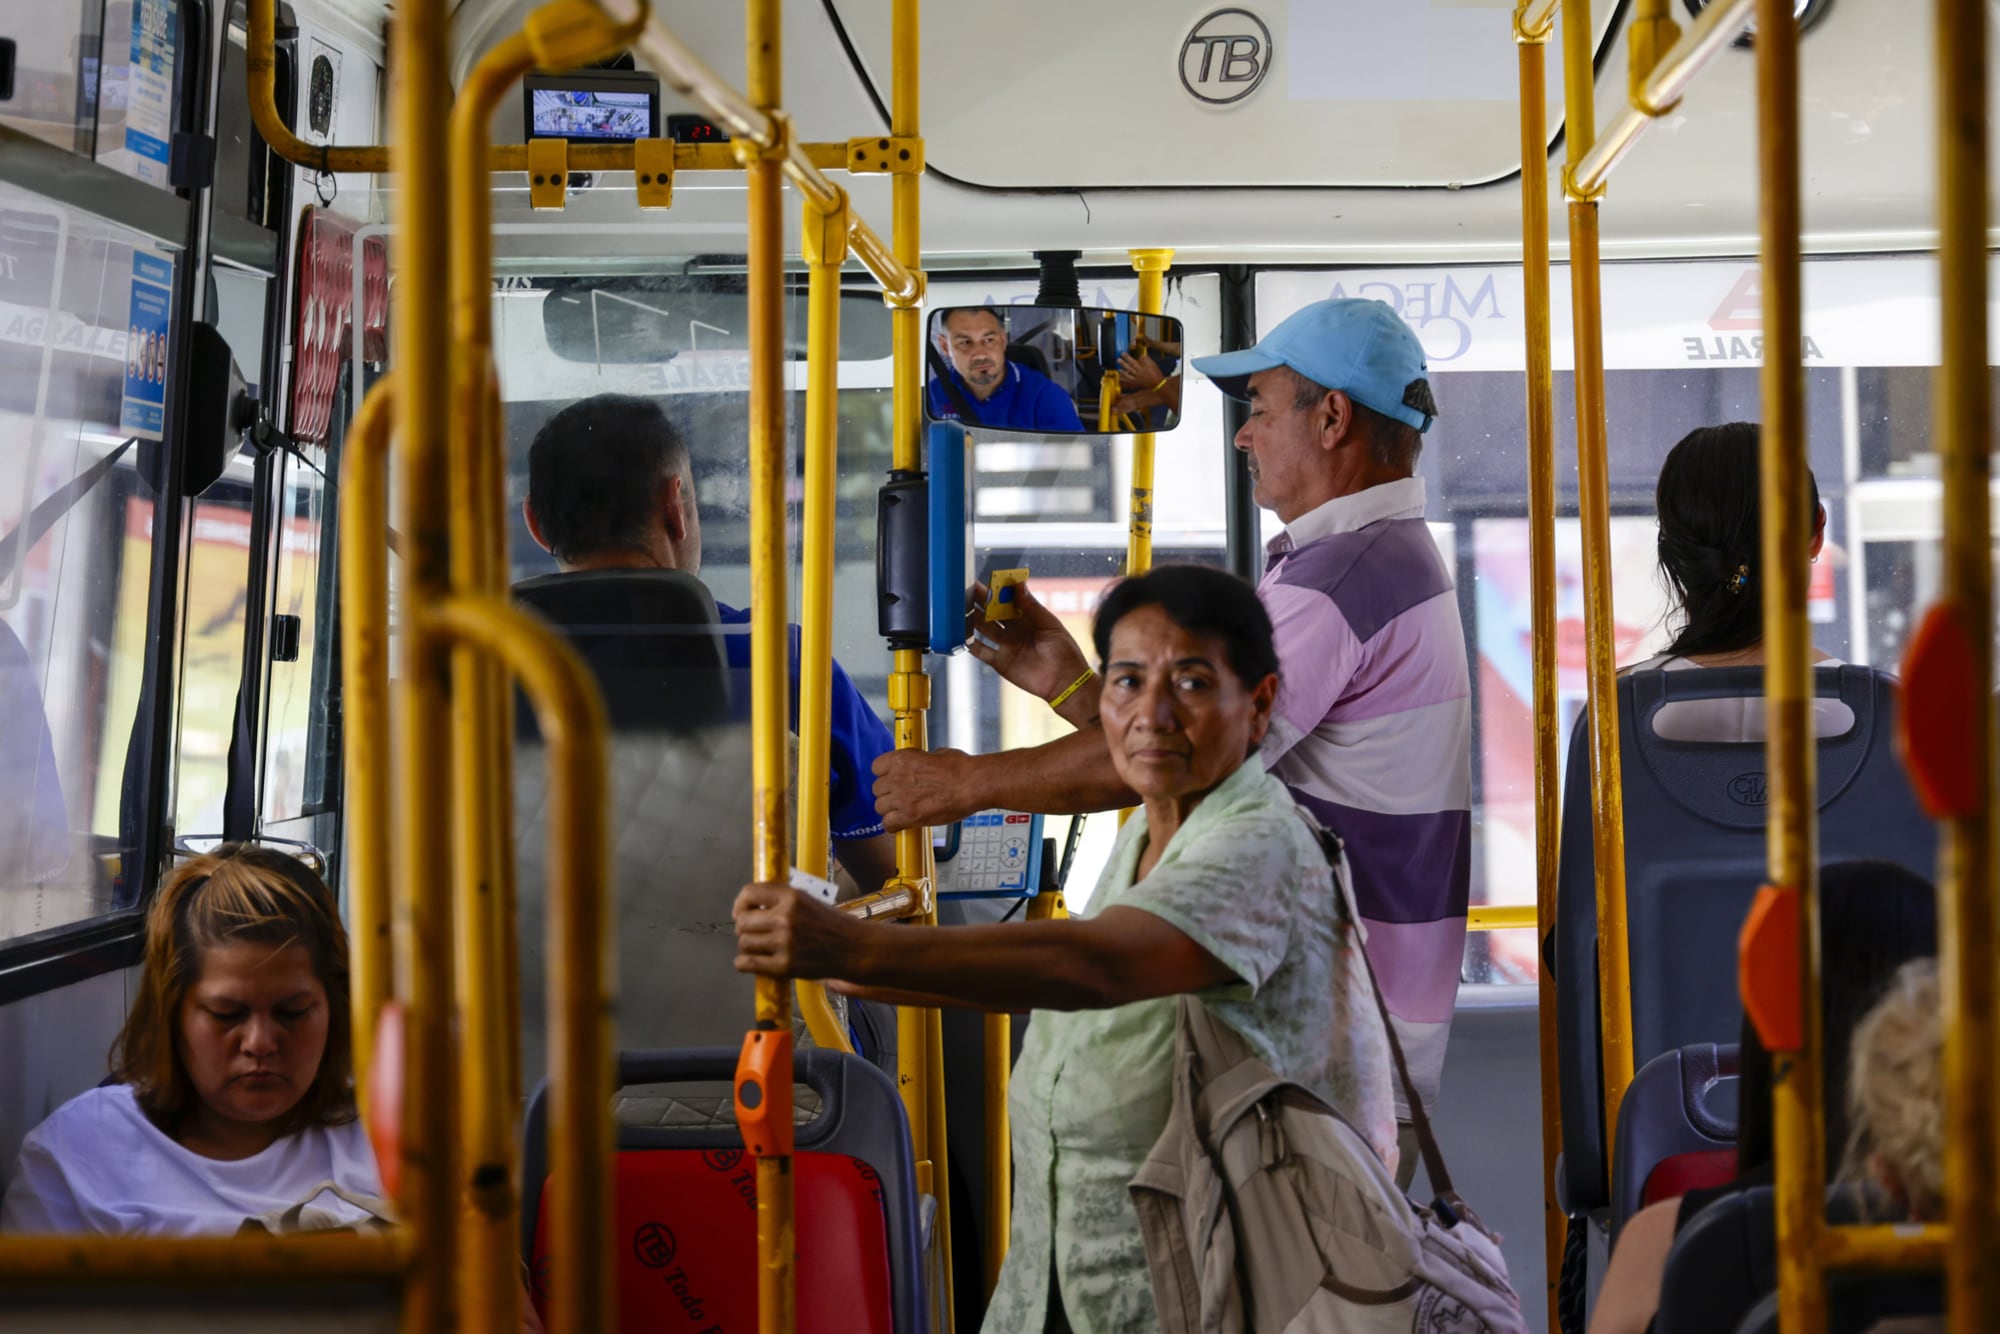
(1724, 1263)
(1695, 820)
(1680, 1112)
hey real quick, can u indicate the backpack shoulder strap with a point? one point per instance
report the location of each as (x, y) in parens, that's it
(1448, 1206)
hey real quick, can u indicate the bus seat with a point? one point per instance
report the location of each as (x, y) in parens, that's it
(652, 639)
(1694, 857)
(1676, 1129)
(1024, 354)
(680, 799)
(1725, 1262)
(685, 1212)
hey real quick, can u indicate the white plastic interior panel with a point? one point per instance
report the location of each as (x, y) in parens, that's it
(1010, 101)
(1053, 94)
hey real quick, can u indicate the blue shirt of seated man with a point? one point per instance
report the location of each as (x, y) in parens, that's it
(1002, 394)
(611, 486)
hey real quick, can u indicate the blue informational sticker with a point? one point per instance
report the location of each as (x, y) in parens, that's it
(145, 407)
(150, 94)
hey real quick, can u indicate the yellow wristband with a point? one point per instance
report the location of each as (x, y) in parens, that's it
(1073, 687)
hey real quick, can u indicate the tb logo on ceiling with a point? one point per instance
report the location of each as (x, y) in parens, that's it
(1226, 56)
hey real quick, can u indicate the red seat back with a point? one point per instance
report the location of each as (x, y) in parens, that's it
(1675, 1176)
(686, 1232)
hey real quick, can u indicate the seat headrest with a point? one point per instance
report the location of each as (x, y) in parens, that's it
(652, 638)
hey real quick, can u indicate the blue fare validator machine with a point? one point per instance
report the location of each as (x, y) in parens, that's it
(924, 563)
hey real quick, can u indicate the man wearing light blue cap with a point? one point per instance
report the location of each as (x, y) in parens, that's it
(1373, 727)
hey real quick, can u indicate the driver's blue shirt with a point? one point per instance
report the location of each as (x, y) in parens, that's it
(1026, 400)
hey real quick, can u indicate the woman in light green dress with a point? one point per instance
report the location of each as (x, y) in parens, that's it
(1215, 888)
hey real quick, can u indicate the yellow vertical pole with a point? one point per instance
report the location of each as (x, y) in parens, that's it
(489, 1295)
(364, 670)
(1531, 49)
(776, 1294)
(421, 94)
(919, 1033)
(1798, 1120)
(1614, 966)
(825, 242)
(999, 1145)
(1964, 429)
(1152, 266)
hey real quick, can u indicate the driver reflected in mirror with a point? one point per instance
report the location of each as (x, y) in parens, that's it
(983, 385)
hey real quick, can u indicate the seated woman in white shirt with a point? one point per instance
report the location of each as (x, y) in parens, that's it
(1711, 557)
(235, 1099)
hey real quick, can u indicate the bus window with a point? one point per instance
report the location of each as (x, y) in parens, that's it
(294, 716)
(1682, 345)
(55, 75)
(76, 556)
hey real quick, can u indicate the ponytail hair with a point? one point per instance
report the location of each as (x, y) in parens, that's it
(1711, 534)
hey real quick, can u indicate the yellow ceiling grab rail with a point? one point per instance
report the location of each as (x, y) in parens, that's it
(261, 67)
(762, 133)
(1654, 93)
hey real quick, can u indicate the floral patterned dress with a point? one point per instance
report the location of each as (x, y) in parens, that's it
(1244, 879)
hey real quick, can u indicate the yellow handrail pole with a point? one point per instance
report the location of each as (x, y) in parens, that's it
(688, 76)
(776, 1294)
(919, 1033)
(489, 1296)
(999, 1145)
(1152, 266)
(1531, 45)
(1798, 1120)
(261, 66)
(1607, 795)
(570, 713)
(280, 1261)
(364, 671)
(1107, 394)
(1658, 79)
(424, 964)
(824, 240)
(1963, 425)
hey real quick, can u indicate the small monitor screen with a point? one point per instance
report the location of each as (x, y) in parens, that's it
(578, 113)
(601, 105)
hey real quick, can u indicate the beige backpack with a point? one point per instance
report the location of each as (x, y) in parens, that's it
(1265, 1213)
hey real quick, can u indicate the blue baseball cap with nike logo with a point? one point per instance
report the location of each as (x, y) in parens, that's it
(1358, 346)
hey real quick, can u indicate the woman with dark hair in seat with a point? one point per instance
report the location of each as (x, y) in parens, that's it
(1711, 558)
(1217, 888)
(235, 1097)
(1874, 917)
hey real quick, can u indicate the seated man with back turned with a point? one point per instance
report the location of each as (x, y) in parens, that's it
(611, 487)
(1372, 725)
(983, 388)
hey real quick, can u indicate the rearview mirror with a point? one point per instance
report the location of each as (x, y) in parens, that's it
(1053, 370)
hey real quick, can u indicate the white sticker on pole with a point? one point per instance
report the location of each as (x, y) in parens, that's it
(823, 890)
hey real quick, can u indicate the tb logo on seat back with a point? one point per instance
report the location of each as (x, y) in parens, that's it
(1226, 56)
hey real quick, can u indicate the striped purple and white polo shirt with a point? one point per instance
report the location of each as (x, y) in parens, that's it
(1373, 734)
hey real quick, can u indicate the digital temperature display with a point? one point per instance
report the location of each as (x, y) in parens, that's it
(694, 130)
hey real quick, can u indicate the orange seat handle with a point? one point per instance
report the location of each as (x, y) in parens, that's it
(766, 1063)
